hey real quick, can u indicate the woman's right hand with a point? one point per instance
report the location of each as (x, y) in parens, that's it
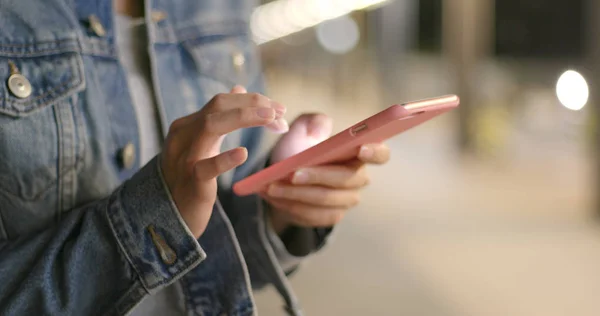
(191, 159)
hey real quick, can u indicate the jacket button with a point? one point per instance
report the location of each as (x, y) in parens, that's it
(96, 25)
(238, 60)
(19, 86)
(127, 156)
(167, 254)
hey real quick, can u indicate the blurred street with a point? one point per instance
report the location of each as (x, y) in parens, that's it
(442, 234)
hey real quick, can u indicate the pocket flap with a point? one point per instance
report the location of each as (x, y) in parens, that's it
(47, 78)
(230, 59)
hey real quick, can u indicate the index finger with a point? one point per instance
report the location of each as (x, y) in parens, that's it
(208, 135)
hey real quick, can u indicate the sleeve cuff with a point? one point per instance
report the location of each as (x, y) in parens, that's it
(150, 230)
(287, 261)
(296, 244)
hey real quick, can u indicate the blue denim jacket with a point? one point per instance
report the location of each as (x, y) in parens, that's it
(86, 230)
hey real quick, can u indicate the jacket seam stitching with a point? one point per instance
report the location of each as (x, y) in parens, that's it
(123, 299)
(37, 42)
(2, 226)
(42, 192)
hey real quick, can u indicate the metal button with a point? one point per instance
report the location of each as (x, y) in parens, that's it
(19, 86)
(97, 26)
(127, 156)
(238, 59)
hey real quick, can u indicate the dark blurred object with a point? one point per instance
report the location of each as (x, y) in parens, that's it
(540, 28)
(430, 25)
(466, 42)
(393, 33)
(592, 13)
(523, 29)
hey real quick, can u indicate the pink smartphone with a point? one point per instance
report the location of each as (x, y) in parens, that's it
(345, 145)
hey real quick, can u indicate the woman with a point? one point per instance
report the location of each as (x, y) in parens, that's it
(99, 215)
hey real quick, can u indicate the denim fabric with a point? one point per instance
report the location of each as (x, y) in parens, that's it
(82, 232)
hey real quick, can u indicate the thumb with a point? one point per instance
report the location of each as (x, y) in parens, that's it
(306, 131)
(210, 168)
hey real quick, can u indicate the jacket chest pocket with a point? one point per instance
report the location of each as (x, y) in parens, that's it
(223, 60)
(40, 134)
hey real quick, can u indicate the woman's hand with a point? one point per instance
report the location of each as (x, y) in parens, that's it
(191, 159)
(318, 196)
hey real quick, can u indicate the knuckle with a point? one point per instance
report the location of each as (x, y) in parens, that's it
(257, 99)
(176, 125)
(312, 176)
(291, 195)
(243, 114)
(285, 192)
(188, 159)
(218, 101)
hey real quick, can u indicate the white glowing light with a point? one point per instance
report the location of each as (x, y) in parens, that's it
(283, 17)
(338, 36)
(572, 90)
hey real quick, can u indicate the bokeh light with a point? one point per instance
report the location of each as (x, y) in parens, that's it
(572, 90)
(280, 18)
(338, 36)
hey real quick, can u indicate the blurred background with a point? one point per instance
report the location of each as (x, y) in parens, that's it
(489, 210)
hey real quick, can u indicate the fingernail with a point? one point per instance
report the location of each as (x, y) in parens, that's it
(279, 126)
(279, 109)
(300, 177)
(275, 191)
(266, 113)
(366, 152)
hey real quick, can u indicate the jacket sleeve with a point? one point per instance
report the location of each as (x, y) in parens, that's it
(103, 258)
